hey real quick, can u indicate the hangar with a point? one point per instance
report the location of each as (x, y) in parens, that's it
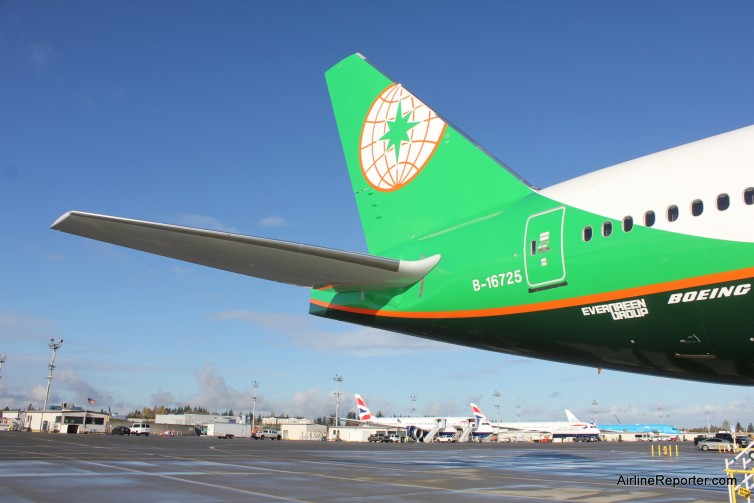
(60, 419)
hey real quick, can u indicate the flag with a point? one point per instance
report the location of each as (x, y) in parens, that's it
(91, 401)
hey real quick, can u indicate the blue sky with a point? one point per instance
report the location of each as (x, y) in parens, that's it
(216, 115)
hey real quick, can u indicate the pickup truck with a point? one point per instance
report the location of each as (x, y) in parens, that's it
(262, 434)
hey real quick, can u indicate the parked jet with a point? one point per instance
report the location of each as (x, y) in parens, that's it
(573, 428)
(645, 266)
(418, 427)
(659, 428)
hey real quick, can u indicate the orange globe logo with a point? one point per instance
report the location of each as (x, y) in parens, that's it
(399, 136)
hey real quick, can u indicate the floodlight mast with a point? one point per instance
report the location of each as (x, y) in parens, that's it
(54, 346)
(497, 396)
(338, 379)
(2, 360)
(255, 384)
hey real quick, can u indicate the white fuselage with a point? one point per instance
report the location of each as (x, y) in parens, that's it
(555, 428)
(425, 423)
(702, 170)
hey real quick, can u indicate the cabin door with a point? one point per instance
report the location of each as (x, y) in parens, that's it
(543, 249)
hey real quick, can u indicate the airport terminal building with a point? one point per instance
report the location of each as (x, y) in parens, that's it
(59, 419)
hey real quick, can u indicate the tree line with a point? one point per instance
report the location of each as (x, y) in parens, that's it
(150, 413)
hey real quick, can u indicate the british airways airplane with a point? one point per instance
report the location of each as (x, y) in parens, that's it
(573, 428)
(418, 427)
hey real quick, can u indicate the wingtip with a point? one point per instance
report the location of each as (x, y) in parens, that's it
(59, 222)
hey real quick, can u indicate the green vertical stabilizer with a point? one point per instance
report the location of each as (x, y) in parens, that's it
(413, 175)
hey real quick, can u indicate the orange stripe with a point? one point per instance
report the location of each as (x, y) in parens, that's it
(555, 304)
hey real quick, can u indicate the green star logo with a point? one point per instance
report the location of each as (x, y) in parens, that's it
(398, 131)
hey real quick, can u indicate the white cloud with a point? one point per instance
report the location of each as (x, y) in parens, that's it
(214, 392)
(449, 406)
(163, 398)
(310, 403)
(72, 388)
(313, 333)
(273, 222)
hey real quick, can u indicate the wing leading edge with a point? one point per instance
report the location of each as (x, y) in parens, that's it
(281, 261)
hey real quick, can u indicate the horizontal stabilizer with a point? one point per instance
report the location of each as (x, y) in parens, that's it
(281, 261)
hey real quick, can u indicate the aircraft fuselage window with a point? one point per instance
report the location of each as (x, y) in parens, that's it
(723, 202)
(749, 196)
(607, 229)
(672, 213)
(697, 207)
(649, 218)
(628, 224)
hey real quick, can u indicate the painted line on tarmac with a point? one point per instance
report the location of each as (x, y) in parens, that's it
(169, 477)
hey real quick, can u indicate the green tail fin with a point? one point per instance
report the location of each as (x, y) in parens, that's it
(412, 173)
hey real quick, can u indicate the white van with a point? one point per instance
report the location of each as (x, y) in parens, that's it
(140, 429)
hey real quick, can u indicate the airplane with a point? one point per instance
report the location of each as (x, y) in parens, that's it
(645, 266)
(419, 427)
(659, 428)
(573, 428)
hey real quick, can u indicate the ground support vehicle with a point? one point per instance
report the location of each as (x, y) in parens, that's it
(140, 429)
(228, 430)
(266, 433)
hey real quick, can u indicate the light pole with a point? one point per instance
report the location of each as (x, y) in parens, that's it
(518, 411)
(706, 413)
(413, 405)
(594, 411)
(2, 360)
(659, 412)
(338, 379)
(255, 384)
(497, 396)
(54, 346)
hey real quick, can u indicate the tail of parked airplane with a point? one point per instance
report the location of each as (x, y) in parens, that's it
(413, 174)
(364, 412)
(478, 414)
(571, 416)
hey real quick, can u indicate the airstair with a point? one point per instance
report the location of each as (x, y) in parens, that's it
(429, 437)
(467, 432)
(741, 465)
(440, 424)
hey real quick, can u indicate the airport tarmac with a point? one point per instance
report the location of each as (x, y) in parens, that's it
(44, 468)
